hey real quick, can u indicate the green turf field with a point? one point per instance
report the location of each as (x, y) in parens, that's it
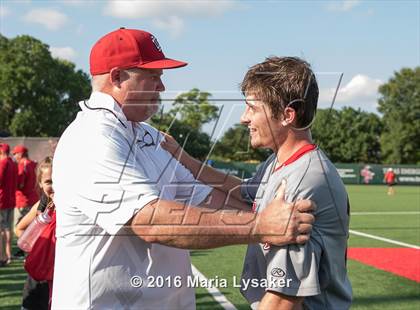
(373, 213)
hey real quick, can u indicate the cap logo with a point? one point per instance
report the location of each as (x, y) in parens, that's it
(156, 43)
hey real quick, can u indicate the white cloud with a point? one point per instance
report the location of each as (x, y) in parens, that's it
(4, 11)
(66, 52)
(168, 15)
(342, 6)
(173, 24)
(49, 18)
(74, 2)
(147, 8)
(361, 91)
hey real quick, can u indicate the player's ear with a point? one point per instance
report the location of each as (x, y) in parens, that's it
(288, 116)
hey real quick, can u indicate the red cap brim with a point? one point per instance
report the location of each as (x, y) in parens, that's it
(163, 64)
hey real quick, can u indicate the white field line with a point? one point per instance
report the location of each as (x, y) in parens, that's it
(407, 245)
(217, 295)
(386, 213)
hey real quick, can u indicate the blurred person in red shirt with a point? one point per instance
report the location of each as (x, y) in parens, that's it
(36, 294)
(8, 179)
(26, 193)
(389, 179)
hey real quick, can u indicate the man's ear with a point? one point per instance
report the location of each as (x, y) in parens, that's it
(115, 77)
(289, 116)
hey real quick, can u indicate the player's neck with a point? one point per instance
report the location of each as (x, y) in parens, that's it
(293, 142)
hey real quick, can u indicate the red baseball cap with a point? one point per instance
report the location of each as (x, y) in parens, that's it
(5, 147)
(19, 149)
(129, 48)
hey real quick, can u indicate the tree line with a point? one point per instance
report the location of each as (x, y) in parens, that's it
(38, 96)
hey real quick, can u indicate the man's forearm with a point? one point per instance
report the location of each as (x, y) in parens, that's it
(183, 226)
(188, 227)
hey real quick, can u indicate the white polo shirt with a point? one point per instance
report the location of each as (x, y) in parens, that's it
(105, 170)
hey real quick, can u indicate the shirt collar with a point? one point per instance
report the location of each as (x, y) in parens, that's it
(104, 101)
(298, 154)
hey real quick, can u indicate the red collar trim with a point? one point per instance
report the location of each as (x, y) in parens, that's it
(298, 154)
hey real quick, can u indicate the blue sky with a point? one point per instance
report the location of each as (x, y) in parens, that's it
(365, 40)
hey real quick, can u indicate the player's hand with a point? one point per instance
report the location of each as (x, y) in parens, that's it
(282, 223)
(170, 145)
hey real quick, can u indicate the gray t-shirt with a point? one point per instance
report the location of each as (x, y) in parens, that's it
(316, 270)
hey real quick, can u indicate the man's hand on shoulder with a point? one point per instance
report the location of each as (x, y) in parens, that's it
(282, 223)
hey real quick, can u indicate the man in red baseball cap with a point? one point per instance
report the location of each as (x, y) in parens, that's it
(127, 64)
(26, 193)
(8, 175)
(119, 216)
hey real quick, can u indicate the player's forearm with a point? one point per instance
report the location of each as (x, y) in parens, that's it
(219, 199)
(212, 177)
(188, 227)
(206, 174)
(272, 301)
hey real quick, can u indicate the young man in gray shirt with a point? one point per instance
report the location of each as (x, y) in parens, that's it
(281, 98)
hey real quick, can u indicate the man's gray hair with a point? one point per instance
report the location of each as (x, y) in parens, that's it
(99, 81)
